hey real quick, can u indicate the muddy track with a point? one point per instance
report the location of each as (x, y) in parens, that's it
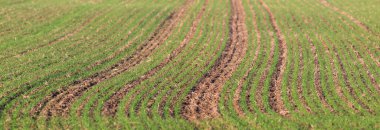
(153, 99)
(260, 88)
(177, 96)
(237, 96)
(275, 100)
(202, 102)
(110, 107)
(58, 101)
(336, 9)
(164, 99)
(317, 76)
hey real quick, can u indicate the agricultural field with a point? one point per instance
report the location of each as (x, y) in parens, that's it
(189, 64)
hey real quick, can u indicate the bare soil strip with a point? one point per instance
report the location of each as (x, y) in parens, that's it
(238, 90)
(259, 90)
(336, 9)
(275, 100)
(317, 77)
(177, 96)
(56, 102)
(202, 102)
(164, 99)
(111, 105)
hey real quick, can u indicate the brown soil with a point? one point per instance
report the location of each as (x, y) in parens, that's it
(238, 90)
(176, 98)
(58, 102)
(111, 105)
(202, 102)
(275, 100)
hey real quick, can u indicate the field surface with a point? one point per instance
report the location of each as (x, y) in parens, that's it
(189, 64)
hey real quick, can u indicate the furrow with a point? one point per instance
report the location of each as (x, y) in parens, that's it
(77, 89)
(111, 105)
(181, 91)
(237, 94)
(202, 102)
(238, 91)
(275, 100)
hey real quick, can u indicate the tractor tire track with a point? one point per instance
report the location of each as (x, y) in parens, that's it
(111, 105)
(260, 88)
(275, 100)
(75, 90)
(165, 97)
(237, 94)
(177, 96)
(202, 102)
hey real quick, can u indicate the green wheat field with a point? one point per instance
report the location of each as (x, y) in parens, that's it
(189, 64)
